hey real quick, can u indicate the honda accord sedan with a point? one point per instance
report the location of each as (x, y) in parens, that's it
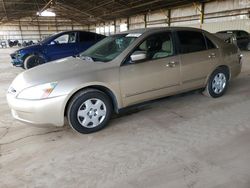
(123, 70)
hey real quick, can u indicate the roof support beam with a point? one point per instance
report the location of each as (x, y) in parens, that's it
(4, 8)
(79, 11)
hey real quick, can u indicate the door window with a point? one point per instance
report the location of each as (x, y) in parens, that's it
(191, 41)
(157, 46)
(66, 38)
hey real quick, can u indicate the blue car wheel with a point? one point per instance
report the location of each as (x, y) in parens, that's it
(32, 61)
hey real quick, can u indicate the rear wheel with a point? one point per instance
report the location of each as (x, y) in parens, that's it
(32, 61)
(217, 83)
(89, 111)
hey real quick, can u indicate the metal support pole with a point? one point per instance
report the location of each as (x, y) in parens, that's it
(72, 25)
(201, 10)
(115, 26)
(169, 17)
(128, 23)
(202, 13)
(39, 30)
(56, 24)
(20, 28)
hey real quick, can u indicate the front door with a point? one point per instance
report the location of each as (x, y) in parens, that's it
(63, 46)
(154, 77)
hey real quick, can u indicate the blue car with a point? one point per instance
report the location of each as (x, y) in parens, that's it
(57, 46)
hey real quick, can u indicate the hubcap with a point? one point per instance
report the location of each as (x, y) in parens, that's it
(91, 113)
(219, 83)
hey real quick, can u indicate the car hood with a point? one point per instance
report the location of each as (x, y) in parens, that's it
(34, 46)
(58, 70)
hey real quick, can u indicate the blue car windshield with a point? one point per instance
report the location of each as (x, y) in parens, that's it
(108, 48)
(49, 38)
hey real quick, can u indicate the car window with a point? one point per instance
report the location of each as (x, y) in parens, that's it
(66, 38)
(109, 48)
(243, 34)
(157, 46)
(191, 41)
(210, 44)
(86, 36)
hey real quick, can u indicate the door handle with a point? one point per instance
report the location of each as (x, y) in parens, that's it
(171, 64)
(212, 55)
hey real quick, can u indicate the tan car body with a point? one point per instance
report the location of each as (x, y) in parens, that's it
(126, 85)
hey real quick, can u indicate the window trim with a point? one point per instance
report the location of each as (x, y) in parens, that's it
(123, 63)
(206, 37)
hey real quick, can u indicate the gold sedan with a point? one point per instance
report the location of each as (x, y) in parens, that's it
(123, 70)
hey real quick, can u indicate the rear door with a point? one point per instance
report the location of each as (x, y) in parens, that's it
(198, 57)
(156, 76)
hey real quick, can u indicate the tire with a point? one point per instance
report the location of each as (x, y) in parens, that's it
(32, 61)
(217, 83)
(89, 111)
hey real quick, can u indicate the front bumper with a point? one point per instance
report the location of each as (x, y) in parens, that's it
(16, 60)
(38, 112)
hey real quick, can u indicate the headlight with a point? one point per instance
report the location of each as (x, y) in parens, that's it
(37, 92)
(18, 53)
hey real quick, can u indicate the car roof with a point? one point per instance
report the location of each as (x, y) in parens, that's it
(61, 32)
(158, 29)
(231, 31)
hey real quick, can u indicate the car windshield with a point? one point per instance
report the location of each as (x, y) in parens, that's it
(108, 48)
(48, 38)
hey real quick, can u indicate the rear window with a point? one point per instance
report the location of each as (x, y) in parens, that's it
(191, 41)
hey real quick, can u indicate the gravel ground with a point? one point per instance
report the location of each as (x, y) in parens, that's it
(188, 141)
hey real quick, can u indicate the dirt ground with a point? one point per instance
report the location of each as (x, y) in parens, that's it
(184, 141)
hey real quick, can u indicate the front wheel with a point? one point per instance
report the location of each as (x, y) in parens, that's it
(89, 111)
(217, 83)
(32, 61)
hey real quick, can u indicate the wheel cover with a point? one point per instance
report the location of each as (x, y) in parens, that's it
(91, 113)
(219, 83)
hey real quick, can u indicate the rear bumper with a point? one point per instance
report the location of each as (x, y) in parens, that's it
(38, 112)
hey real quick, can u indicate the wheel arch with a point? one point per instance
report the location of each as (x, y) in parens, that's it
(226, 67)
(102, 88)
(35, 53)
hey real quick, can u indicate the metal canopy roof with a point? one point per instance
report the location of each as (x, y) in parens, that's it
(84, 11)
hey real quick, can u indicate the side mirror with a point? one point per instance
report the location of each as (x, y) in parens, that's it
(53, 42)
(138, 56)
